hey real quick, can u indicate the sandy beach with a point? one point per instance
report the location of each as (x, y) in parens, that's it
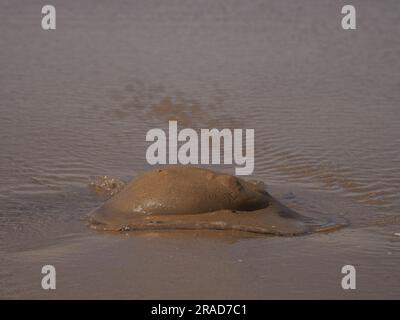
(76, 103)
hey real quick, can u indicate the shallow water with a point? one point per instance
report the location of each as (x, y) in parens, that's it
(77, 103)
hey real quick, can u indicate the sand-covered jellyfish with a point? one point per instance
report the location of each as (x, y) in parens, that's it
(192, 198)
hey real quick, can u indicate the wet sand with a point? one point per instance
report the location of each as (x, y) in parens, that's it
(76, 103)
(204, 265)
(201, 267)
